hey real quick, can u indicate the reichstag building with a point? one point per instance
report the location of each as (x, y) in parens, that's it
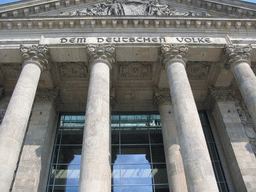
(128, 96)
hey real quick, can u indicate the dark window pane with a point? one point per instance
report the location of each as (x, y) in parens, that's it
(72, 137)
(70, 154)
(114, 153)
(157, 153)
(134, 136)
(161, 188)
(156, 136)
(159, 173)
(115, 136)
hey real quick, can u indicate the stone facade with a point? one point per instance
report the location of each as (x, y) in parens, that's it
(171, 57)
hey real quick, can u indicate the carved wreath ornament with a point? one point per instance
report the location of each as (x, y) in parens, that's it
(238, 53)
(38, 53)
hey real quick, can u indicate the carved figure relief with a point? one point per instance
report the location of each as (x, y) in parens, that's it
(135, 70)
(73, 70)
(132, 7)
(197, 70)
(248, 124)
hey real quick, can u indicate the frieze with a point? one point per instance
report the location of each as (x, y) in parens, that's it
(133, 40)
(135, 70)
(73, 70)
(47, 94)
(131, 8)
(197, 70)
(248, 124)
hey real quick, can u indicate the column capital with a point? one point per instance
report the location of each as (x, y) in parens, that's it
(220, 94)
(161, 97)
(102, 53)
(174, 52)
(37, 54)
(237, 54)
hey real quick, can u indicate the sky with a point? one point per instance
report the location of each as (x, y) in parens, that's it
(10, 1)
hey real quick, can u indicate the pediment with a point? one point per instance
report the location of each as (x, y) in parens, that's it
(122, 8)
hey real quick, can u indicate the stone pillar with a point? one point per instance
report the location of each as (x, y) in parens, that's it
(239, 64)
(32, 173)
(15, 121)
(240, 158)
(95, 172)
(197, 163)
(174, 164)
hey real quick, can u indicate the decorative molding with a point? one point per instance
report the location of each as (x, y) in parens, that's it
(47, 94)
(11, 71)
(38, 54)
(249, 127)
(105, 53)
(88, 23)
(131, 8)
(161, 97)
(196, 70)
(73, 70)
(135, 70)
(236, 54)
(173, 53)
(220, 94)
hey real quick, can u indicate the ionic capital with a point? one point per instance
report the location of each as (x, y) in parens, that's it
(161, 97)
(37, 54)
(237, 54)
(172, 53)
(101, 53)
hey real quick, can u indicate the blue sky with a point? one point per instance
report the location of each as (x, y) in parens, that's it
(10, 1)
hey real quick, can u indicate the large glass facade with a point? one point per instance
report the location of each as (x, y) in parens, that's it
(138, 160)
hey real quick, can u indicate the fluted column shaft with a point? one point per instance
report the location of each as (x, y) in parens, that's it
(95, 169)
(174, 164)
(239, 64)
(197, 163)
(14, 124)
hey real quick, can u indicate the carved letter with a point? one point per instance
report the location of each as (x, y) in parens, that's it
(180, 40)
(207, 40)
(162, 38)
(146, 39)
(63, 40)
(154, 39)
(81, 40)
(131, 39)
(72, 40)
(118, 39)
(194, 40)
(201, 40)
(139, 39)
(100, 40)
(125, 39)
(109, 39)
(188, 40)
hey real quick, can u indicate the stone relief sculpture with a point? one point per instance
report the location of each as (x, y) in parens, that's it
(130, 8)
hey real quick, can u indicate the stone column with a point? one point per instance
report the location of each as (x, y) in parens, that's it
(13, 127)
(197, 163)
(32, 173)
(239, 64)
(95, 166)
(174, 164)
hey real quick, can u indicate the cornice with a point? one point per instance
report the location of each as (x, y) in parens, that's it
(126, 22)
(28, 8)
